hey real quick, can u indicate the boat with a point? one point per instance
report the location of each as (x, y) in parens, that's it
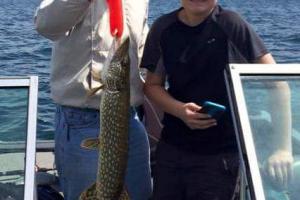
(27, 167)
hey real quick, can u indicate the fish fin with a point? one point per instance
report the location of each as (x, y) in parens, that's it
(89, 193)
(94, 90)
(124, 195)
(90, 143)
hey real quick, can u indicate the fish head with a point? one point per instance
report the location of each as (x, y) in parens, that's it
(117, 76)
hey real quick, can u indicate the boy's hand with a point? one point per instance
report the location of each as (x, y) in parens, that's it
(189, 113)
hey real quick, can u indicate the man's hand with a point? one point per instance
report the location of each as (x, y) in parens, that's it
(189, 113)
(279, 168)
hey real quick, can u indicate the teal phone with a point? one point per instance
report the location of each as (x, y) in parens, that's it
(215, 110)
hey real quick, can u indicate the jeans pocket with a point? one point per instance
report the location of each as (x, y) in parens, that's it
(77, 119)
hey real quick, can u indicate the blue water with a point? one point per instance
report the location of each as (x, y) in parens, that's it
(24, 52)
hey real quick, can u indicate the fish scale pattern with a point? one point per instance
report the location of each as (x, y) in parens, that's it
(113, 140)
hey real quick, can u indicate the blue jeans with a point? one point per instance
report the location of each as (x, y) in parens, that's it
(77, 167)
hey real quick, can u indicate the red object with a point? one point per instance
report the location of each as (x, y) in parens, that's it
(115, 17)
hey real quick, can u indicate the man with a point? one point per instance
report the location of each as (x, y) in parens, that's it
(190, 47)
(80, 30)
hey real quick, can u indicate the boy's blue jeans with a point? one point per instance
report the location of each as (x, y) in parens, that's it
(77, 167)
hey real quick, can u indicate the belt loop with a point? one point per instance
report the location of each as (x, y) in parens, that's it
(58, 108)
(66, 130)
(68, 133)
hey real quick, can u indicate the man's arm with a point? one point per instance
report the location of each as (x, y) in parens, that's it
(54, 18)
(279, 164)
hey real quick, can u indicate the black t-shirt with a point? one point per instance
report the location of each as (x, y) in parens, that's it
(193, 60)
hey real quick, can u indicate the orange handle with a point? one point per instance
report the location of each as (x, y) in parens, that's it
(115, 17)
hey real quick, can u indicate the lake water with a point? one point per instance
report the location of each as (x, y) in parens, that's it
(24, 52)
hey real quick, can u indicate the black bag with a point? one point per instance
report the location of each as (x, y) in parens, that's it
(46, 192)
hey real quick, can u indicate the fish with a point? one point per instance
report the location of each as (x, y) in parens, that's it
(112, 143)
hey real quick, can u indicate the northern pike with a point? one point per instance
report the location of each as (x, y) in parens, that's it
(112, 143)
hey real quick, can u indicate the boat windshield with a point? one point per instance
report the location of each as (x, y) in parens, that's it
(14, 136)
(267, 121)
(258, 93)
(13, 128)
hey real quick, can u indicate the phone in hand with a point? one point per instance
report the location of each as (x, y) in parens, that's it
(215, 110)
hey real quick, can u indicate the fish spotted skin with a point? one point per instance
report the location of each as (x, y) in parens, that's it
(114, 125)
